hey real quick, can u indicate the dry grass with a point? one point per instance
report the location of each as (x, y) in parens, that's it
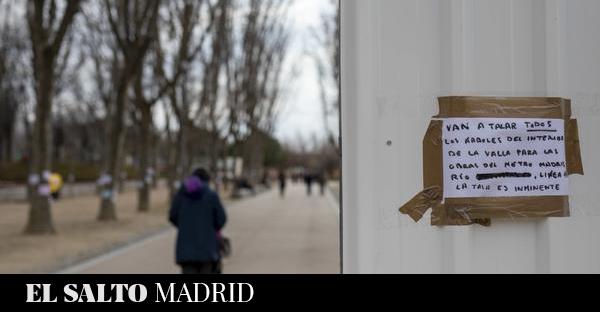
(79, 235)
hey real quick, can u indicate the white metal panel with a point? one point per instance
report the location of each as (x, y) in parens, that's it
(397, 58)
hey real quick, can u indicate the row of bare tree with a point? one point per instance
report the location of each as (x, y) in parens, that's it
(328, 60)
(203, 64)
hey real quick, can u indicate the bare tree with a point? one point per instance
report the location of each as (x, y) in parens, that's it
(134, 29)
(47, 31)
(158, 85)
(145, 122)
(254, 74)
(191, 33)
(327, 58)
(179, 99)
(213, 68)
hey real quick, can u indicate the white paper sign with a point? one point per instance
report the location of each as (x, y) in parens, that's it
(33, 179)
(105, 179)
(496, 157)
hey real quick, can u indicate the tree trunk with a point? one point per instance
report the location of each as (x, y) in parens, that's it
(186, 157)
(29, 152)
(175, 165)
(170, 155)
(214, 157)
(145, 174)
(6, 144)
(214, 161)
(112, 163)
(40, 215)
(154, 157)
(123, 175)
(181, 161)
(10, 144)
(171, 175)
(3, 149)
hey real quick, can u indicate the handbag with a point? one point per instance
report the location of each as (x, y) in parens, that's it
(224, 246)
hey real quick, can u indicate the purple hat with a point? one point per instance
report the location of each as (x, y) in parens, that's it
(193, 184)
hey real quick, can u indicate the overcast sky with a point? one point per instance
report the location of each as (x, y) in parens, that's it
(302, 113)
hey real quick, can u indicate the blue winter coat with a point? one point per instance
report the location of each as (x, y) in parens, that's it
(198, 215)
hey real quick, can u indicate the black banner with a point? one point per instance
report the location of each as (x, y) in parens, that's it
(252, 290)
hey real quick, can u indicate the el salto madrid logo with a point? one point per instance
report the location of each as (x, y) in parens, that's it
(139, 293)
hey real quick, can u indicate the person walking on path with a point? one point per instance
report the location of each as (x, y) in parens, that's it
(322, 180)
(308, 180)
(282, 182)
(199, 216)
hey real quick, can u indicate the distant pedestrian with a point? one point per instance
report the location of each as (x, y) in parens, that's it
(308, 180)
(322, 180)
(282, 182)
(199, 215)
(56, 184)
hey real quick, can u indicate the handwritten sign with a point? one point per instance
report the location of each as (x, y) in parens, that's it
(485, 157)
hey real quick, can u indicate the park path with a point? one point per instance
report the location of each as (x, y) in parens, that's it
(270, 235)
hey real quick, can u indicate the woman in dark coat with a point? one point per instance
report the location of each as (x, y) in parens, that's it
(199, 215)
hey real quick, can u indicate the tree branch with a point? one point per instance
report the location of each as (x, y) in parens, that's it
(73, 6)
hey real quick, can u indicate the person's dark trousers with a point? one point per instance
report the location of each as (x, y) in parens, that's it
(199, 268)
